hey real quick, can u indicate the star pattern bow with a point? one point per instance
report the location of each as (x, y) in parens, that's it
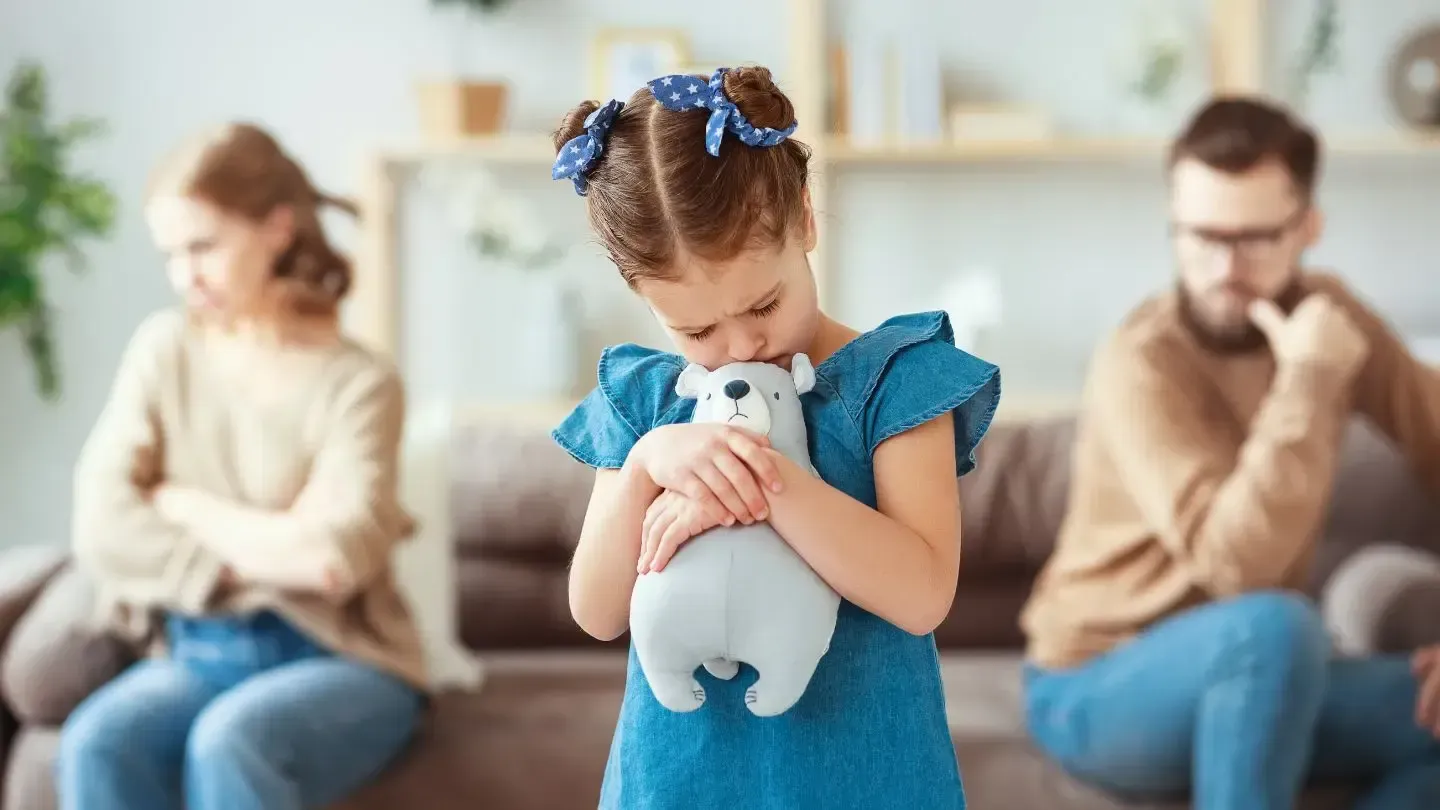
(679, 92)
(580, 154)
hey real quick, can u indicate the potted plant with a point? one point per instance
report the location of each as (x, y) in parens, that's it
(463, 105)
(46, 212)
(1163, 72)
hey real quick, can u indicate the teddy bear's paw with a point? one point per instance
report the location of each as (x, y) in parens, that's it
(678, 693)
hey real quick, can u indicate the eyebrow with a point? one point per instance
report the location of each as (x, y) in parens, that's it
(756, 303)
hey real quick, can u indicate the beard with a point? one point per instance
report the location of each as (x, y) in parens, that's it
(1241, 338)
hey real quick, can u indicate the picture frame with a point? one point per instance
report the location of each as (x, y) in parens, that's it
(623, 60)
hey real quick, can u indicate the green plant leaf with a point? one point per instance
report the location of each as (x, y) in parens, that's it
(39, 341)
(81, 129)
(45, 209)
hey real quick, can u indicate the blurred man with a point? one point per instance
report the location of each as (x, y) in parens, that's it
(1170, 650)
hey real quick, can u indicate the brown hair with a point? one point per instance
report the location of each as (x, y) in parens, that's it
(1234, 135)
(243, 170)
(655, 192)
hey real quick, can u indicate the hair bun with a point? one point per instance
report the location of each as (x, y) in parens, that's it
(573, 124)
(753, 91)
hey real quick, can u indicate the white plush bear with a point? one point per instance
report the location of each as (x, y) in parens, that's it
(738, 593)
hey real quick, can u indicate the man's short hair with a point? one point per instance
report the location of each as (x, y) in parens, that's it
(1234, 135)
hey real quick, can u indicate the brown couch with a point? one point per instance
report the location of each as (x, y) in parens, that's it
(536, 736)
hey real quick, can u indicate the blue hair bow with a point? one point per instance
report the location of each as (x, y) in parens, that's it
(681, 92)
(580, 154)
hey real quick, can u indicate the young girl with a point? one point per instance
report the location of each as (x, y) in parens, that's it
(236, 501)
(699, 196)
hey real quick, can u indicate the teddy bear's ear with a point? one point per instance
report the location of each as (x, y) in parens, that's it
(692, 379)
(803, 372)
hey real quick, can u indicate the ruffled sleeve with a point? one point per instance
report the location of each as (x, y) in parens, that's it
(913, 373)
(635, 393)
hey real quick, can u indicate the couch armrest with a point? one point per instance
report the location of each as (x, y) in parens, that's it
(24, 572)
(59, 652)
(1384, 599)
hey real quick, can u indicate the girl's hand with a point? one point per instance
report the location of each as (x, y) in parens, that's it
(672, 519)
(718, 467)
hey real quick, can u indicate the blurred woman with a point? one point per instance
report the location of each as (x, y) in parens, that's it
(236, 504)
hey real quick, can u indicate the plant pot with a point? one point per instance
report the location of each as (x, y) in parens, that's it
(459, 109)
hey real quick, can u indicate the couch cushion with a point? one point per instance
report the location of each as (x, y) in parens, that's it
(1015, 499)
(24, 570)
(535, 738)
(58, 654)
(516, 495)
(29, 773)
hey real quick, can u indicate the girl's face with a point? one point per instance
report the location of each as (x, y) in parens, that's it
(761, 305)
(218, 262)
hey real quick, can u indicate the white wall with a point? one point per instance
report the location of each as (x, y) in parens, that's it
(334, 78)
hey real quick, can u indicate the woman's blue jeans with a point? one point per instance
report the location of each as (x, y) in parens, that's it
(246, 714)
(1238, 703)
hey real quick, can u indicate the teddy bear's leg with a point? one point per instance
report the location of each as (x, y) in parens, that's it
(781, 683)
(722, 668)
(677, 691)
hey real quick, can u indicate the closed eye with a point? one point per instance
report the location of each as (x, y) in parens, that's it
(762, 311)
(767, 310)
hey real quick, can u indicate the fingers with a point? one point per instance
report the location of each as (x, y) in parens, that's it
(757, 438)
(745, 484)
(650, 538)
(761, 464)
(1267, 316)
(720, 485)
(700, 494)
(675, 534)
(1427, 707)
(1424, 660)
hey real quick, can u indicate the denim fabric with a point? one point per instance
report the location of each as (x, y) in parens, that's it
(1237, 702)
(247, 713)
(870, 732)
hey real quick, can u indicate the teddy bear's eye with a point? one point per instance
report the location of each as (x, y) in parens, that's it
(707, 396)
(777, 396)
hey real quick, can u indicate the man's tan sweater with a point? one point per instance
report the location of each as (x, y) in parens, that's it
(298, 462)
(1199, 475)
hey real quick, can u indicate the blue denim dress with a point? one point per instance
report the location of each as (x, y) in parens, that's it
(870, 732)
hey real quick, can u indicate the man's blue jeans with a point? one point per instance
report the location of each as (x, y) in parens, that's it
(245, 715)
(1238, 703)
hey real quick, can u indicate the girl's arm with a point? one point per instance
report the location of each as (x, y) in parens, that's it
(899, 562)
(602, 573)
(341, 531)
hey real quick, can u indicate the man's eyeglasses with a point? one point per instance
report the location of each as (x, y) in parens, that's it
(1252, 245)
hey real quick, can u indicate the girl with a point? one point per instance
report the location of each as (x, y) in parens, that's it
(699, 196)
(236, 501)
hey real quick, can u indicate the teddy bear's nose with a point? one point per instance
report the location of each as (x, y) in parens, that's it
(736, 389)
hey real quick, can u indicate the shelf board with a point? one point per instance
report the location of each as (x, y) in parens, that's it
(1396, 144)
(520, 149)
(536, 150)
(841, 152)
